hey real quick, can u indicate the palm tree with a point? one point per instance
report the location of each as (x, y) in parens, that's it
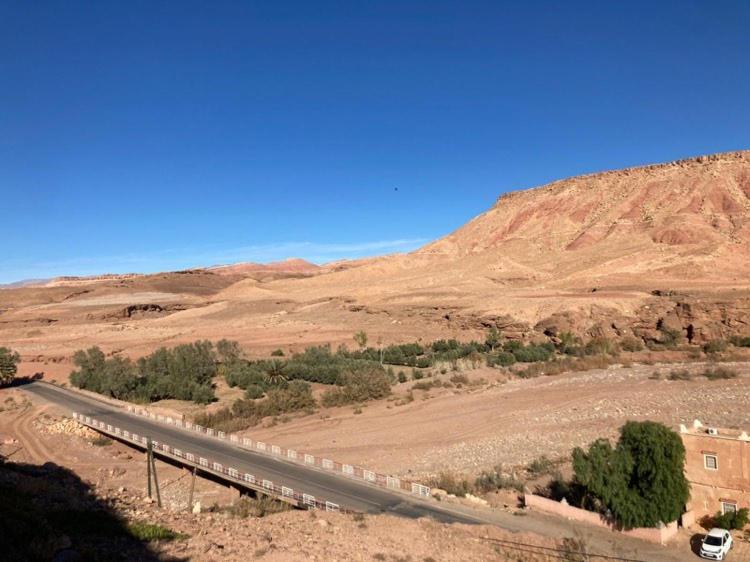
(275, 373)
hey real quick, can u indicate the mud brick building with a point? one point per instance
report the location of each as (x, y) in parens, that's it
(717, 465)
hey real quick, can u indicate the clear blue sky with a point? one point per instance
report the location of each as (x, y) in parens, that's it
(146, 136)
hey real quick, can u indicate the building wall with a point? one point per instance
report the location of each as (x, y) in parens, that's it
(731, 480)
(659, 535)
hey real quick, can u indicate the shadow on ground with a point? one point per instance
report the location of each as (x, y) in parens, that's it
(48, 513)
(695, 543)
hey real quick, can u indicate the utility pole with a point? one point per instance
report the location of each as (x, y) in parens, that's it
(148, 464)
(151, 469)
(192, 489)
(156, 480)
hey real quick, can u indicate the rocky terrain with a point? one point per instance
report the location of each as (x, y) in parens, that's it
(86, 495)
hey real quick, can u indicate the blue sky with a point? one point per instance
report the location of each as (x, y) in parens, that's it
(145, 136)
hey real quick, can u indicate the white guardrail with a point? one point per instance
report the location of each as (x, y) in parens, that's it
(246, 479)
(293, 455)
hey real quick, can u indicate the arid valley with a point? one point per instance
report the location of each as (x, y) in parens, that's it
(542, 325)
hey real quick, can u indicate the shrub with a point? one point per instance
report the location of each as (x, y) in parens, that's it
(680, 375)
(424, 385)
(732, 520)
(740, 341)
(228, 351)
(254, 391)
(294, 397)
(601, 346)
(715, 346)
(401, 376)
(720, 373)
(491, 481)
(541, 466)
(641, 481)
(631, 344)
(568, 341)
(442, 346)
(151, 532)
(512, 345)
(453, 484)
(277, 353)
(256, 507)
(670, 337)
(359, 386)
(533, 353)
(503, 358)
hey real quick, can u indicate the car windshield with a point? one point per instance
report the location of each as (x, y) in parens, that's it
(712, 541)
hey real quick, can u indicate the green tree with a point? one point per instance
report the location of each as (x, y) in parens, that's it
(640, 481)
(360, 338)
(493, 338)
(8, 365)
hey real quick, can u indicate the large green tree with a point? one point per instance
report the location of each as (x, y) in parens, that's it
(8, 365)
(641, 480)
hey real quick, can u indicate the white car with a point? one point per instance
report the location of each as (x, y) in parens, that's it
(716, 544)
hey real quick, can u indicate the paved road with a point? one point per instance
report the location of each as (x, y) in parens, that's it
(350, 494)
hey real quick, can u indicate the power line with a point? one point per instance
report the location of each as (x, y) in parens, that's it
(559, 553)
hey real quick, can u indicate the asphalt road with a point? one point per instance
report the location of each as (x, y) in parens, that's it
(348, 493)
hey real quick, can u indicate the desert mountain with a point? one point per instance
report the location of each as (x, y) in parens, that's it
(679, 220)
(622, 253)
(291, 266)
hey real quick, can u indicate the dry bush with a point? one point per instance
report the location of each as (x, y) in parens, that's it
(680, 375)
(567, 365)
(720, 373)
(493, 480)
(452, 483)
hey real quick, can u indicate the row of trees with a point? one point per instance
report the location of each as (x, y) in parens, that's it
(316, 364)
(184, 372)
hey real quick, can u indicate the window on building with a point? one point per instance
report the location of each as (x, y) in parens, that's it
(711, 462)
(728, 507)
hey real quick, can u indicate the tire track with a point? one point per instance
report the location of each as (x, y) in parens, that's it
(33, 448)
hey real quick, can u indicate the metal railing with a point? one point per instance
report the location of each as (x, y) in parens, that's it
(230, 474)
(352, 471)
